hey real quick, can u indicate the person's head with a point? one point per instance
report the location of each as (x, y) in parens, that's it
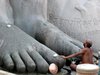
(87, 43)
(53, 69)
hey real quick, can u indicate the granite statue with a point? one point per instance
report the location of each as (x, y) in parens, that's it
(28, 41)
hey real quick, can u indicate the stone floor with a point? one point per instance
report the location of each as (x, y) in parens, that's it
(62, 72)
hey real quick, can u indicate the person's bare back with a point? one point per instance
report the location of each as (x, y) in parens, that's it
(87, 56)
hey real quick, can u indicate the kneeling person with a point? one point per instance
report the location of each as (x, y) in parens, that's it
(86, 53)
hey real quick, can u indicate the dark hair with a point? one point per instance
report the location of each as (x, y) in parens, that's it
(88, 43)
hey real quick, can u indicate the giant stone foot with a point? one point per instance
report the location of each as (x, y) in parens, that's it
(21, 52)
(16, 47)
(33, 21)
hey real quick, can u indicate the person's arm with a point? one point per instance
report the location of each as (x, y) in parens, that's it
(73, 55)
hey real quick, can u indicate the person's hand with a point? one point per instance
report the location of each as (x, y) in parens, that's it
(64, 57)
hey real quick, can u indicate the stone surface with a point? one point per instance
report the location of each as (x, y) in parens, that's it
(79, 19)
(31, 41)
(62, 72)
